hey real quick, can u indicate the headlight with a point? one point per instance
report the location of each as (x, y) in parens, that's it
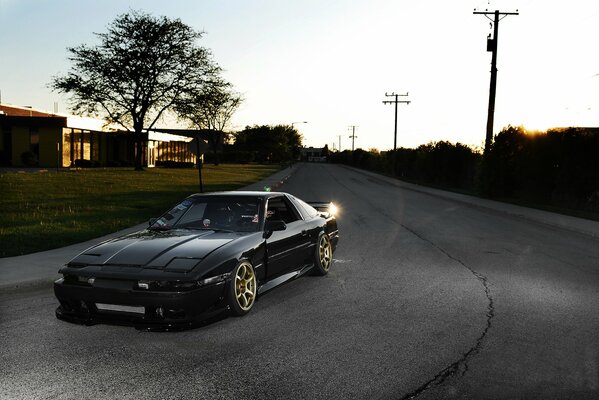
(180, 285)
(333, 210)
(167, 285)
(214, 279)
(78, 280)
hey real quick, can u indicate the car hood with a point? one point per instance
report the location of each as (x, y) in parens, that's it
(156, 249)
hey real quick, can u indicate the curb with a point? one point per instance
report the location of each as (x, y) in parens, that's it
(280, 183)
(273, 182)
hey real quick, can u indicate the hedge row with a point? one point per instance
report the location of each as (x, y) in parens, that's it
(559, 167)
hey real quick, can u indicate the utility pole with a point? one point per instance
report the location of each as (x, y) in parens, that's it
(396, 102)
(339, 136)
(352, 136)
(492, 47)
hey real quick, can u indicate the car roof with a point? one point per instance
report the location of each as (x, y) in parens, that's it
(244, 193)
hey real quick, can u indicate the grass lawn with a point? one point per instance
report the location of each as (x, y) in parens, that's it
(46, 210)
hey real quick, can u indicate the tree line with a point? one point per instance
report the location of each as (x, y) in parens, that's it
(260, 143)
(559, 167)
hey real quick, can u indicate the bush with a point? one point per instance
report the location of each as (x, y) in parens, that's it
(441, 163)
(559, 167)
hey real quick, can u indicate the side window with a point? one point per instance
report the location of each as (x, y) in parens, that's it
(279, 209)
(306, 209)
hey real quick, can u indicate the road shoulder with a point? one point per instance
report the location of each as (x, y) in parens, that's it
(574, 224)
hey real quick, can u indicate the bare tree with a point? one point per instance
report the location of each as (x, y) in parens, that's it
(142, 65)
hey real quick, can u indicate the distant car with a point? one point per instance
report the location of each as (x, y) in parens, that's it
(208, 254)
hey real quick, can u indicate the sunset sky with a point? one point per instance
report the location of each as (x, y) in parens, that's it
(331, 62)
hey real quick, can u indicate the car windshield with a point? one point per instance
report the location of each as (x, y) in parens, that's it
(221, 213)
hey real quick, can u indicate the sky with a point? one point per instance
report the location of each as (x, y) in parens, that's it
(330, 62)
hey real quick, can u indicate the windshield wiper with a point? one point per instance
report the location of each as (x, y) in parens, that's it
(159, 228)
(202, 228)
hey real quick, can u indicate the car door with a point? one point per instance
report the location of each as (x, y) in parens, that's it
(286, 250)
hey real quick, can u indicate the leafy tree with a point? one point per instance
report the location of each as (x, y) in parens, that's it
(210, 109)
(142, 65)
(500, 169)
(270, 144)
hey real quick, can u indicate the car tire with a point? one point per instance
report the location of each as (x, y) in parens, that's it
(242, 288)
(323, 257)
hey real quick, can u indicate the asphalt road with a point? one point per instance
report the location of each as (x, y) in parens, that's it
(428, 298)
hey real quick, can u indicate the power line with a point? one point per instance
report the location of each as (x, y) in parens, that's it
(492, 47)
(396, 102)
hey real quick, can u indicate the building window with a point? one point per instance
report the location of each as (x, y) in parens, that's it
(85, 144)
(66, 147)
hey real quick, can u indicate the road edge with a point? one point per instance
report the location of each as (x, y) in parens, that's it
(578, 225)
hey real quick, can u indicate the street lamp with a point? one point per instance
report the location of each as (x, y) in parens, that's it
(299, 122)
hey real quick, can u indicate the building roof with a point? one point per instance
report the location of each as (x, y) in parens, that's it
(71, 121)
(17, 111)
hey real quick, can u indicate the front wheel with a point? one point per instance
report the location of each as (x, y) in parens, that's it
(242, 290)
(324, 255)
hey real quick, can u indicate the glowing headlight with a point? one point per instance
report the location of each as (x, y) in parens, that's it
(333, 209)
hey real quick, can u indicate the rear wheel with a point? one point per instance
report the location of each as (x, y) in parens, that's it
(324, 255)
(242, 291)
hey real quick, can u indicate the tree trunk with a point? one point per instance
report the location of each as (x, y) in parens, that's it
(139, 149)
(214, 139)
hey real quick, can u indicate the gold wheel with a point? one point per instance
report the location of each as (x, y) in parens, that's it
(245, 286)
(325, 252)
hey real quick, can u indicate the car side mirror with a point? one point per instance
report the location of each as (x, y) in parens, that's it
(273, 226)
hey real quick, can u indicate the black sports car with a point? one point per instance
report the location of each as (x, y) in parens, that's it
(208, 254)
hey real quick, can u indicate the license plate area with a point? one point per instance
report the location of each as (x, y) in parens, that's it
(119, 308)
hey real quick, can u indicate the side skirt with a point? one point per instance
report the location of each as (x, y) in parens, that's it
(284, 278)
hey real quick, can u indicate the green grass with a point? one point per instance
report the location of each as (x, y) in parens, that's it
(46, 210)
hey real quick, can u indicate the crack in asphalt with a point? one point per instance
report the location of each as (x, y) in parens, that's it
(460, 364)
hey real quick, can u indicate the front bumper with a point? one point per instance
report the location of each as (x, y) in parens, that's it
(154, 310)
